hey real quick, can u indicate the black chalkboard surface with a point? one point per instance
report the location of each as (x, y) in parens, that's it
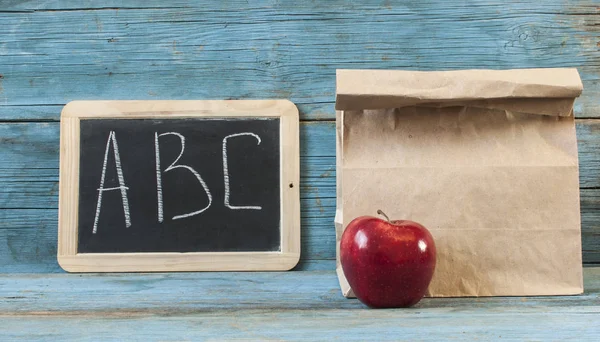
(209, 190)
(216, 183)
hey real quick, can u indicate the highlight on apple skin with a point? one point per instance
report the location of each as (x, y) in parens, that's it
(388, 263)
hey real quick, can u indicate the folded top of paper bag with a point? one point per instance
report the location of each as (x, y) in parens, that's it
(532, 91)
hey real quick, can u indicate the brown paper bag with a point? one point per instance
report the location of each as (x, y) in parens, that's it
(486, 160)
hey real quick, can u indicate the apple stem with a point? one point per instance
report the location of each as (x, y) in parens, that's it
(383, 214)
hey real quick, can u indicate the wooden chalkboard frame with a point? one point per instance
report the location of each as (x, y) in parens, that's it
(285, 259)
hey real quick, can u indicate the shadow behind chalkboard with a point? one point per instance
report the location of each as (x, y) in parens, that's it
(254, 174)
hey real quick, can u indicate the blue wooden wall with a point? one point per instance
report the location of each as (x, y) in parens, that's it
(52, 52)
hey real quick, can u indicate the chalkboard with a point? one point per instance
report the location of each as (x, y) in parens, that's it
(190, 185)
(179, 186)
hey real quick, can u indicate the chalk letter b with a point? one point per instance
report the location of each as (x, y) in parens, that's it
(174, 166)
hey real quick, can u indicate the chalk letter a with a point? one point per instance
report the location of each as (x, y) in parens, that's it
(112, 139)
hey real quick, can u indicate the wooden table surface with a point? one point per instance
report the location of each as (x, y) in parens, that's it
(303, 305)
(52, 52)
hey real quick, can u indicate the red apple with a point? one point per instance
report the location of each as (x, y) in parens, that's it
(387, 263)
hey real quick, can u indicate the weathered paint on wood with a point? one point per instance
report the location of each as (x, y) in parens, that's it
(30, 152)
(184, 293)
(280, 306)
(29, 197)
(56, 51)
(313, 325)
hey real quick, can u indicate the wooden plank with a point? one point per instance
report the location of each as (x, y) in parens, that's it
(20, 113)
(30, 152)
(590, 225)
(30, 113)
(54, 52)
(306, 325)
(580, 7)
(149, 294)
(308, 306)
(29, 146)
(28, 240)
(588, 144)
